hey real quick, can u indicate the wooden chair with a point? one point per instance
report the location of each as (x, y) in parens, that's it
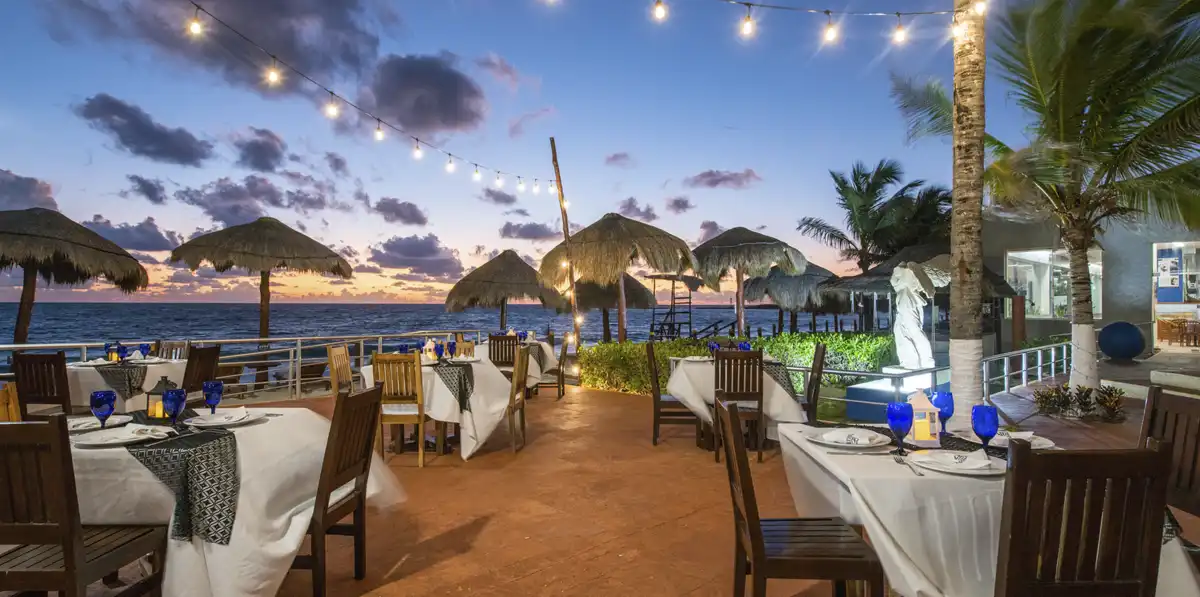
(172, 349)
(801, 548)
(502, 350)
(41, 380)
(668, 410)
(347, 460)
(10, 407)
(465, 348)
(201, 367)
(403, 399)
(556, 377)
(739, 376)
(1175, 418)
(812, 386)
(40, 514)
(341, 377)
(1084, 522)
(516, 397)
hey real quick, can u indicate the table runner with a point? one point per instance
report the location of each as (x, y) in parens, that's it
(538, 356)
(779, 372)
(460, 378)
(125, 378)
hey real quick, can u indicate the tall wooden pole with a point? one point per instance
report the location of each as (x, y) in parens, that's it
(621, 308)
(562, 207)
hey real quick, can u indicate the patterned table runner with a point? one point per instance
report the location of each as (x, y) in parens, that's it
(200, 468)
(779, 372)
(126, 378)
(460, 378)
(538, 355)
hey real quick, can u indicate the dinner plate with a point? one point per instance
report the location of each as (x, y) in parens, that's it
(465, 360)
(147, 361)
(696, 359)
(1038, 442)
(875, 441)
(111, 438)
(201, 422)
(998, 468)
(90, 423)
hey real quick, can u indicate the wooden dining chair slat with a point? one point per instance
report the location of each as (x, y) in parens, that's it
(341, 376)
(795, 548)
(502, 350)
(739, 374)
(466, 348)
(516, 398)
(342, 489)
(1082, 522)
(42, 381)
(400, 376)
(39, 516)
(668, 410)
(1175, 418)
(201, 367)
(172, 349)
(812, 386)
(10, 407)
(556, 376)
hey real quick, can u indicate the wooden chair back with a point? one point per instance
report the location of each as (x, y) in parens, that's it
(747, 525)
(652, 363)
(1082, 522)
(10, 407)
(739, 374)
(516, 398)
(562, 364)
(459, 338)
(465, 348)
(349, 449)
(502, 350)
(172, 349)
(39, 505)
(41, 380)
(341, 378)
(201, 367)
(812, 387)
(400, 378)
(1175, 418)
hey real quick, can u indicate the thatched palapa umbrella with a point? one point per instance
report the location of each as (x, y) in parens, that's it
(589, 295)
(261, 246)
(795, 293)
(494, 283)
(747, 253)
(604, 250)
(45, 243)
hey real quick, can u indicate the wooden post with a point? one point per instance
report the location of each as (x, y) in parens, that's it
(562, 207)
(792, 327)
(503, 315)
(621, 308)
(604, 322)
(264, 327)
(780, 328)
(740, 301)
(1018, 322)
(25, 310)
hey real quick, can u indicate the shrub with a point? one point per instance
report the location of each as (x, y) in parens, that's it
(848, 351)
(1107, 403)
(1111, 402)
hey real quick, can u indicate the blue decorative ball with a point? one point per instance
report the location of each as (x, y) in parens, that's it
(1121, 341)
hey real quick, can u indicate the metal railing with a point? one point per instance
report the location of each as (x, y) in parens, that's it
(1022, 367)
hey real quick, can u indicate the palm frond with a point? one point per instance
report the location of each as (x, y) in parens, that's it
(825, 233)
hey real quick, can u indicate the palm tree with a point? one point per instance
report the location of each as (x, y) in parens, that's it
(911, 220)
(1113, 93)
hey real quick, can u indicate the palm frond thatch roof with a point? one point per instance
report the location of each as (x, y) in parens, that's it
(801, 292)
(752, 252)
(879, 278)
(590, 295)
(693, 283)
(603, 251)
(261, 246)
(505, 277)
(63, 251)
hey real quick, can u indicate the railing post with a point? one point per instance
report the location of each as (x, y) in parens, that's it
(1006, 374)
(986, 387)
(1053, 362)
(1040, 365)
(299, 356)
(83, 353)
(294, 378)
(362, 353)
(1024, 368)
(897, 387)
(379, 346)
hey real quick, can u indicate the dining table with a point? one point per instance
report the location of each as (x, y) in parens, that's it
(477, 405)
(937, 534)
(692, 381)
(131, 379)
(246, 497)
(541, 360)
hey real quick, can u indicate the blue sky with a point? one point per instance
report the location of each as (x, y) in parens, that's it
(678, 98)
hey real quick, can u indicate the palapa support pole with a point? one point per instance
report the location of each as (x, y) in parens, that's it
(25, 310)
(503, 315)
(264, 325)
(739, 301)
(621, 308)
(562, 207)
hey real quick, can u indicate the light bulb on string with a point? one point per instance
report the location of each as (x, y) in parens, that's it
(195, 27)
(958, 28)
(537, 188)
(831, 31)
(565, 263)
(418, 153)
(900, 34)
(476, 176)
(273, 76)
(659, 11)
(450, 164)
(499, 181)
(550, 188)
(378, 130)
(578, 319)
(332, 109)
(520, 185)
(981, 7)
(566, 204)
(747, 28)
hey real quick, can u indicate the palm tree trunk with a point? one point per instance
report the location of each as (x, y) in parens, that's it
(604, 322)
(966, 215)
(813, 328)
(739, 300)
(621, 308)
(1084, 356)
(25, 310)
(792, 324)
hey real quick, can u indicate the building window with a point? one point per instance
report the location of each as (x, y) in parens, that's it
(1042, 276)
(1177, 273)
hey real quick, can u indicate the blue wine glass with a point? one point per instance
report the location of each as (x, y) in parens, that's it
(712, 348)
(122, 352)
(944, 401)
(439, 350)
(213, 391)
(173, 402)
(900, 420)
(985, 421)
(403, 349)
(103, 403)
(452, 347)
(145, 350)
(745, 346)
(522, 336)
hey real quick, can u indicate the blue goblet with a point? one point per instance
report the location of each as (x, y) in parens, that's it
(522, 336)
(985, 421)
(145, 350)
(452, 348)
(745, 346)
(213, 391)
(944, 401)
(439, 350)
(122, 352)
(403, 349)
(713, 347)
(173, 402)
(103, 403)
(900, 420)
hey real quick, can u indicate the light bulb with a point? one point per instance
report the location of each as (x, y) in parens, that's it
(660, 11)
(418, 153)
(578, 319)
(499, 181)
(575, 370)
(748, 25)
(273, 76)
(450, 165)
(550, 188)
(520, 185)
(566, 204)
(958, 29)
(831, 32)
(195, 27)
(981, 7)
(537, 188)
(900, 34)
(378, 131)
(568, 293)
(332, 109)
(476, 176)
(565, 263)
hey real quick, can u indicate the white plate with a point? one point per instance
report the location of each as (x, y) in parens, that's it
(147, 361)
(695, 359)
(998, 468)
(1038, 442)
(90, 423)
(466, 360)
(876, 441)
(110, 438)
(199, 422)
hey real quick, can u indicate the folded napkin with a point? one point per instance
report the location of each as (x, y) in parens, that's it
(960, 460)
(1025, 435)
(88, 423)
(122, 434)
(697, 358)
(852, 437)
(91, 363)
(225, 415)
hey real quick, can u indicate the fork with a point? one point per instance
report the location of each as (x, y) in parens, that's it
(902, 460)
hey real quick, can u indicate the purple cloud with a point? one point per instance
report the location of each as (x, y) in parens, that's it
(23, 192)
(516, 126)
(620, 159)
(405, 212)
(262, 150)
(498, 197)
(714, 179)
(709, 229)
(680, 204)
(496, 66)
(135, 132)
(529, 231)
(630, 209)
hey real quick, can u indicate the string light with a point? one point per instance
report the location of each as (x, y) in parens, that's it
(958, 28)
(195, 27)
(659, 11)
(476, 176)
(565, 263)
(550, 188)
(566, 204)
(418, 153)
(273, 76)
(332, 109)
(900, 34)
(499, 181)
(450, 164)
(578, 319)
(831, 31)
(981, 7)
(520, 185)
(748, 24)
(378, 130)
(536, 187)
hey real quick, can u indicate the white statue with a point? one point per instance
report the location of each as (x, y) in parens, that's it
(913, 287)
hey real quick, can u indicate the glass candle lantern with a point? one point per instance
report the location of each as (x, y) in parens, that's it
(154, 398)
(925, 418)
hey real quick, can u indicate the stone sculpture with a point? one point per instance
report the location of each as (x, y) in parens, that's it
(913, 289)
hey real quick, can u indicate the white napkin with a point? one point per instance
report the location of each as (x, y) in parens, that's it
(137, 354)
(697, 358)
(225, 415)
(960, 460)
(851, 437)
(91, 363)
(1025, 435)
(121, 434)
(87, 423)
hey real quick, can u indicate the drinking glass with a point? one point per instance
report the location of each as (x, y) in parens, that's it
(213, 391)
(900, 420)
(145, 350)
(403, 349)
(713, 347)
(985, 421)
(522, 336)
(103, 404)
(122, 352)
(439, 350)
(110, 352)
(452, 347)
(743, 346)
(944, 401)
(173, 402)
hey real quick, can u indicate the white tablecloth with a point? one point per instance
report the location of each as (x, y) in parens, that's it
(693, 384)
(936, 535)
(534, 375)
(488, 403)
(279, 461)
(83, 380)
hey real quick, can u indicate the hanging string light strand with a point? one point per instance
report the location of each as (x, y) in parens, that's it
(333, 108)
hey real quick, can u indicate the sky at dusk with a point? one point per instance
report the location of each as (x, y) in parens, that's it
(111, 114)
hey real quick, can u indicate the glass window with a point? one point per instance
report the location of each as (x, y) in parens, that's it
(1177, 272)
(1042, 276)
